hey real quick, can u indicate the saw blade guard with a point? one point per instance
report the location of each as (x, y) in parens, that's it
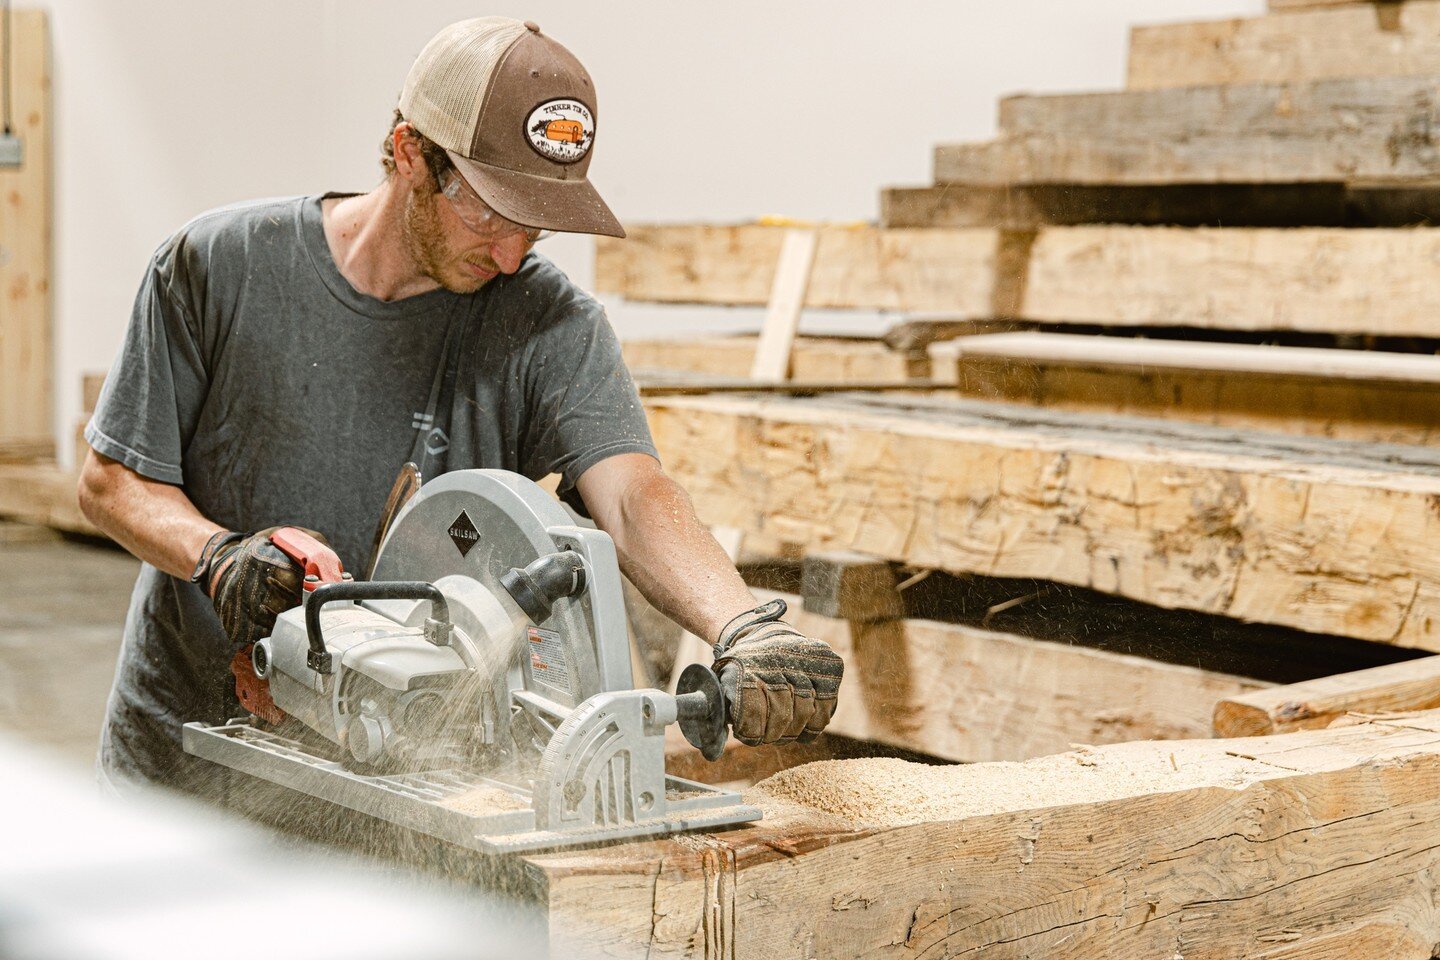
(479, 524)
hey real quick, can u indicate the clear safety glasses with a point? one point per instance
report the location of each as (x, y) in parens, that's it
(477, 214)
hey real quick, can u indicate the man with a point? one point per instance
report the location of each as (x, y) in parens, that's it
(286, 357)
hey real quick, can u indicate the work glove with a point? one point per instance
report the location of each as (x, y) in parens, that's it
(779, 685)
(251, 582)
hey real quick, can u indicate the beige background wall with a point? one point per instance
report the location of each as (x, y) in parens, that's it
(714, 110)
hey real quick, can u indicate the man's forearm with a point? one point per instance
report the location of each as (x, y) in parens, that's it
(675, 562)
(154, 521)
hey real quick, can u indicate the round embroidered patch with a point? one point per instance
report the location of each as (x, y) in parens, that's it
(561, 130)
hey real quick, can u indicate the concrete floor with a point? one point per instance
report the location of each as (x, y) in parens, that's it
(62, 607)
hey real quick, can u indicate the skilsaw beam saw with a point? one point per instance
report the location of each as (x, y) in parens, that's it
(488, 656)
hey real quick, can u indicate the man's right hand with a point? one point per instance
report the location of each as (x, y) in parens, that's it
(251, 582)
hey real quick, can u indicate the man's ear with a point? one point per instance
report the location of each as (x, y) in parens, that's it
(409, 163)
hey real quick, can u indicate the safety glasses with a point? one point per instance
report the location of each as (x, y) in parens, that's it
(477, 215)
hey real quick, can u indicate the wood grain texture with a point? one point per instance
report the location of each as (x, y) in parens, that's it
(1358, 395)
(1379, 282)
(1375, 130)
(1365, 40)
(1320, 535)
(924, 270)
(812, 359)
(42, 493)
(1412, 685)
(969, 694)
(26, 344)
(1312, 844)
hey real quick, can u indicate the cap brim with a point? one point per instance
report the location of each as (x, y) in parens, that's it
(569, 206)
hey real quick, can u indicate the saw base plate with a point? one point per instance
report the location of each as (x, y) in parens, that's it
(416, 800)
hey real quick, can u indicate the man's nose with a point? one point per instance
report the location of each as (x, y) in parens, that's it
(509, 251)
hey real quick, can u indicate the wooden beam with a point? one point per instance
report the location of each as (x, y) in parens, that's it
(970, 694)
(1367, 40)
(845, 585)
(1366, 396)
(906, 270)
(26, 341)
(1412, 685)
(1015, 205)
(44, 494)
(1309, 363)
(1319, 535)
(1318, 280)
(1315, 844)
(812, 359)
(1284, 149)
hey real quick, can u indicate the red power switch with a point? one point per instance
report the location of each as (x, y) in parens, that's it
(321, 564)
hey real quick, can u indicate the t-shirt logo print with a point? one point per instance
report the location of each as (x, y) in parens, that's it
(561, 130)
(463, 532)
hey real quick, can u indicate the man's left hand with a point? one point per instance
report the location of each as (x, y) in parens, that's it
(779, 685)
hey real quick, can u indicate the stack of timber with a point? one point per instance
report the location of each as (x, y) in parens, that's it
(35, 489)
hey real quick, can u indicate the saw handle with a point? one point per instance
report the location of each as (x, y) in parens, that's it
(319, 659)
(320, 563)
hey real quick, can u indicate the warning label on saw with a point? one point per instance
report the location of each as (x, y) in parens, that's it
(547, 658)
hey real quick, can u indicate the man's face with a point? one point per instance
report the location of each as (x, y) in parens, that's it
(449, 252)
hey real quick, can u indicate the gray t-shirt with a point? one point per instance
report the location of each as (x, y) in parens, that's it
(256, 378)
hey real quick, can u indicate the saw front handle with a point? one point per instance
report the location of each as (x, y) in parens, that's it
(320, 563)
(437, 626)
(700, 710)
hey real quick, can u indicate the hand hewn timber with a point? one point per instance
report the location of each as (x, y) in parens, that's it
(1365, 40)
(1316, 844)
(812, 359)
(1217, 146)
(1018, 205)
(970, 694)
(42, 493)
(1321, 535)
(1412, 685)
(1361, 395)
(907, 270)
(1376, 282)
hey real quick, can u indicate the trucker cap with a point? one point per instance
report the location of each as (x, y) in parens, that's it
(515, 111)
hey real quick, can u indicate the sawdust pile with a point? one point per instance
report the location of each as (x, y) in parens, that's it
(484, 801)
(888, 792)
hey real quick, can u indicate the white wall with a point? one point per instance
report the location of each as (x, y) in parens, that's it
(167, 107)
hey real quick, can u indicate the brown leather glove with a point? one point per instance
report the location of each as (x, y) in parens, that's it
(779, 685)
(251, 581)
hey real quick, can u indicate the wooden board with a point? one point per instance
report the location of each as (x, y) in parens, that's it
(1366, 40)
(782, 314)
(1371, 130)
(812, 359)
(26, 344)
(42, 493)
(1313, 845)
(1320, 535)
(926, 270)
(1412, 685)
(1379, 282)
(969, 694)
(1295, 390)
(1029, 206)
(1318, 280)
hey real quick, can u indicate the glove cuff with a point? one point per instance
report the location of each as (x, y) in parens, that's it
(770, 612)
(219, 539)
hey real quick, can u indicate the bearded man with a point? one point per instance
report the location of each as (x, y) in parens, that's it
(286, 357)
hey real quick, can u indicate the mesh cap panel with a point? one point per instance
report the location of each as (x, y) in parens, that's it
(448, 81)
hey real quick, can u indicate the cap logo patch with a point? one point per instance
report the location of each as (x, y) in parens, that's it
(561, 130)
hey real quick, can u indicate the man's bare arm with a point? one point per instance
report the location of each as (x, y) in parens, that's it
(155, 521)
(664, 548)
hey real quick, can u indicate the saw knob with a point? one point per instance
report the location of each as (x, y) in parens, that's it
(700, 710)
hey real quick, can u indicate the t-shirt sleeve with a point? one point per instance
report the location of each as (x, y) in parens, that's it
(154, 392)
(583, 403)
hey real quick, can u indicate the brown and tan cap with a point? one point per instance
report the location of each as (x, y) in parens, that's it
(516, 113)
